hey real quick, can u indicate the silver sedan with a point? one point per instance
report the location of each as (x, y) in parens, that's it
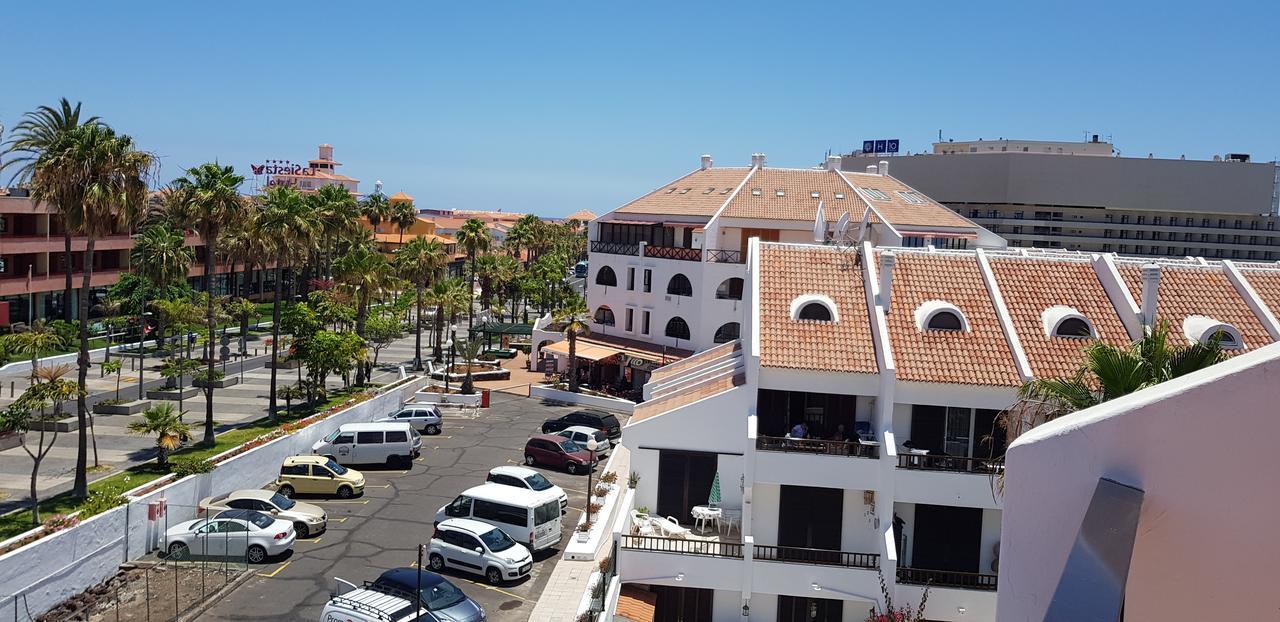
(247, 534)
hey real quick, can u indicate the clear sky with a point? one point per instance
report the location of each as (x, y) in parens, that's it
(551, 107)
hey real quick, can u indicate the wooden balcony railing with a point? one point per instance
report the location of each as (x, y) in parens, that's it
(955, 464)
(821, 557)
(732, 550)
(947, 578)
(817, 446)
(614, 248)
(720, 255)
(672, 252)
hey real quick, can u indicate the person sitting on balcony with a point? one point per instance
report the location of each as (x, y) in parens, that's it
(799, 430)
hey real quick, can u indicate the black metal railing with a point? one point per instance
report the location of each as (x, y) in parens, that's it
(955, 464)
(947, 578)
(817, 446)
(614, 248)
(719, 255)
(673, 252)
(821, 557)
(682, 546)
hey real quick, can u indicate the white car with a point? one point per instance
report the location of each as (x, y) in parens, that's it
(308, 519)
(524, 477)
(581, 433)
(365, 605)
(233, 533)
(424, 417)
(478, 548)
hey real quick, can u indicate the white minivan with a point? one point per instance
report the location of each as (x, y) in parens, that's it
(370, 443)
(531, 518)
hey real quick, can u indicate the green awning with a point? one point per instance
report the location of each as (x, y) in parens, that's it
(499, 328)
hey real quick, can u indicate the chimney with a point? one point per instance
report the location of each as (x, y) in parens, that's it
(871, 169)
(833, 163)
(1150, 289)
(706, 161)
(326, 152)
(884, 167)
(887, 261)
(757, 160)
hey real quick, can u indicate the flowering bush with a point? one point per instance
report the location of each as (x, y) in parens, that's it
(893, 613)
(58, 522)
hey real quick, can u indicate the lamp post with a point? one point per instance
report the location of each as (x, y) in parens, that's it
(453, 336)
(142, 339)
(591, 451)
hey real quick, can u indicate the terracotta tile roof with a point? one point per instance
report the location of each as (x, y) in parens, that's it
(689, 196)
(981, 356)
(687, 395)
(898, 211)
(400, 197)
(668, 371)
(788, 271)
(1193, 290)
(798, 202)
(1266, 283)
(1030, 286)
(636, 604)
(583, 215)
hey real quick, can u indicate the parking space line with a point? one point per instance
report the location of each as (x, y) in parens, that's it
(382, 486)
(361, 502)
(496, 589)
(316, 541)
(340, 520)
(276, 571)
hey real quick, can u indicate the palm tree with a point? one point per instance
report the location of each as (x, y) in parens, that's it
(110, 174)
(362, 272)
(29, 141)
(290, 393)
(165, 422)
(574, 319)
(210, 202)
(284, 222)
(474, 238)
(38, 338)
(419, 262)
(161, 255)
(336, 211)
(403, 215)
(469, 349)
(376, 208)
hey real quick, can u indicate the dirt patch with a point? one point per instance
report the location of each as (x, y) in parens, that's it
(156, 593)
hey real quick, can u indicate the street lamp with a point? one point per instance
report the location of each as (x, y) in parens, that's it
(142, 338)
(591, 449)
(453, 336)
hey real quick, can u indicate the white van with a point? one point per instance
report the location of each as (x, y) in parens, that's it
(531, 518)
(370, 443)
(362, 605)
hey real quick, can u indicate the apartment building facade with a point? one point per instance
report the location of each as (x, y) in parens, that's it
(914, 352)
(1038, 197)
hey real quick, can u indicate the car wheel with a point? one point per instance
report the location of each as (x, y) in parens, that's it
(256, 554)
(433, 429)
(572, 468)
(345, 492)
(493, 575)
(528, 460)
(437, 562)
(285, 491)
(302, 529)
(179, 551)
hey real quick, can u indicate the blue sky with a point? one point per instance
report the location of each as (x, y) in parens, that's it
(552, 107)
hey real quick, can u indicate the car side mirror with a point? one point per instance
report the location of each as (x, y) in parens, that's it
(479, 550)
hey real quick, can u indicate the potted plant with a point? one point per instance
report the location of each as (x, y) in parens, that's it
(115, 405)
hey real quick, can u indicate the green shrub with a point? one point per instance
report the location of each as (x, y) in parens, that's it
(68, 332)
(101, 501)
(203, 375)
(183, 468)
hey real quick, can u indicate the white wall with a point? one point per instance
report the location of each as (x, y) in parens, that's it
(945, 603)
(990, 539)
(1202, 447)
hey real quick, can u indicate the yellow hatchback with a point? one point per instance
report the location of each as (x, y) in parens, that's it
(318, 475)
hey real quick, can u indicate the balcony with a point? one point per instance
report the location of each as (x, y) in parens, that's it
(952, 464)
(719, 255)
(820, 557)
(817, 446)
(699, 546)
(614, 248)
(673, 252)
(947, 578)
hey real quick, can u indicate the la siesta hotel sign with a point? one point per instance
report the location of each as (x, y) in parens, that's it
(281, 167)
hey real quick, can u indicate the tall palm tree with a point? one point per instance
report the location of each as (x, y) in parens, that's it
(403, 215)
(362, 272)
(165, 422)
(336, 213)
(285, 223)
(29, 141)
(111, 175)
(573, 316)
(210, 202)
(376, 208)
(473, 237)
(420, 261)
(160, 254)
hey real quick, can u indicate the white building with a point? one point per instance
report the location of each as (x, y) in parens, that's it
(914, 349)
(320, 172)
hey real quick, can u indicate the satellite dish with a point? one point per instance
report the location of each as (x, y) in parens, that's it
(842, 226)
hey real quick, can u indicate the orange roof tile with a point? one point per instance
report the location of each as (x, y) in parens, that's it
(636, 604)
(798, 202)
(1198, 290)
(700, 193)
(898, 211)
(686, 396)
(980, 356)
(1266, 283)
(788, 271)
(1030, 286)
(400, 197)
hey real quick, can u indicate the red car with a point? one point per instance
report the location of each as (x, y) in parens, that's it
(557, 451)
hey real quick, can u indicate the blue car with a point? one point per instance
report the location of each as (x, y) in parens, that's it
(580, 270)
(444, 601)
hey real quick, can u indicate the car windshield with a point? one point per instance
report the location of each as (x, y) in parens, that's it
(538, 482)
(497, 540)
(332, 435)
(258, 518)
(570, 447)
(335, 467)
(282, 501)
(442, 595)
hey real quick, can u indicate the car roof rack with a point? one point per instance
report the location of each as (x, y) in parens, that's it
(375, 611)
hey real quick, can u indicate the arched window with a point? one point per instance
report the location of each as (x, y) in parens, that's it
(1073, 327)
(604, 315)
(1225, 339)
(1208, 330)
(940, 315)
(728, 332)
(1064, 321)
(606, 277)
(944, 320)
(678, 328)
(815, 311)
(730, 289)
(679, 286)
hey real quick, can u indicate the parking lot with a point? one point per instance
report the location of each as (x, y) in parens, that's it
(381, 529)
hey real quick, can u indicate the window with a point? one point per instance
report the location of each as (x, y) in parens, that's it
(293, 469)
(940, 315)
(644, 323)
(780, 192)
(755, 192)
(631, 315)
(679, 286)
(839, 195)
(911, 197)
(876, 194)
(677, 328)
(728, 332)
(913, 241)
(606, 277)
(460, 506)
(944, 320)
(500, 512)
(815, 194)
(397, 436)
(369, 438)
(1064, 321)
(344, 439)
(604, 315)
(648, 280)
(730, 289)
(815, 311)
(631, 279)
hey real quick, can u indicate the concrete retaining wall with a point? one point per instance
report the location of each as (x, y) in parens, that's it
(61, 565)
(545, 392)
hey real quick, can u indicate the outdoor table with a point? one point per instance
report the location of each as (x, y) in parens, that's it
(703, 514)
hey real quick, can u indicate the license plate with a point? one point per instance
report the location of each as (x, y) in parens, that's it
(526, 568)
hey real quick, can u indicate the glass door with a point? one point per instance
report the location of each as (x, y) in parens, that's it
(959, 432)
